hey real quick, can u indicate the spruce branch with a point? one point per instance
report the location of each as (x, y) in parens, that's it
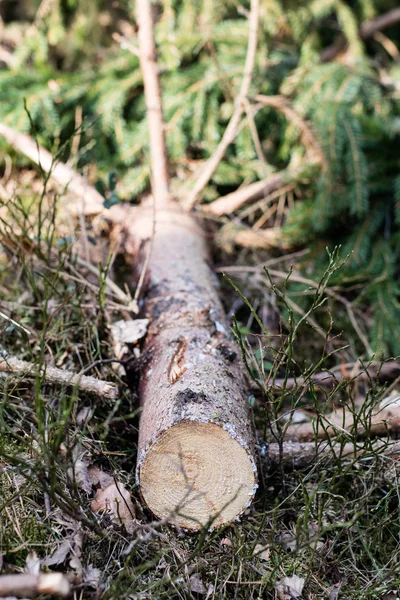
(207, 171)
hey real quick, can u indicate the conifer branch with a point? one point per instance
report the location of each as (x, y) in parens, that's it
(207, 171)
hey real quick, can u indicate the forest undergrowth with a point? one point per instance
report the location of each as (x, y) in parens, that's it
(327, 527)
(302, 215)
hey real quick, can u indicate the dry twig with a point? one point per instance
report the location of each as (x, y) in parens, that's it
(105, 389)
(28, 585)
(207, 171)
(382, 422)
(228, 204)
(367, 30)
(335, 375)
(296, 455)
(281, 104)
(62, 174)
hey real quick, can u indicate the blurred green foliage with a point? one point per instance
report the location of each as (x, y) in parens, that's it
(75, 64)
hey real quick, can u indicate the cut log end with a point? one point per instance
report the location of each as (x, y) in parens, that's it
(195, 471)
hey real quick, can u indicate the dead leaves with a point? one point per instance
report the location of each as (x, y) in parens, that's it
(116, 501)
(290, 588)
(262, 552)
(127, 333)
(111, 496)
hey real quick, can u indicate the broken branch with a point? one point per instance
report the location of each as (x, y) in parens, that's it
(27, 585)
(85, 383)
(226, 205)
(207, 171)
(381, 422)
(297, 455)
(62, 174)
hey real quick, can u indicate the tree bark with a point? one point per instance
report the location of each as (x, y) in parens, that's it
(195, 456)
(196, 452)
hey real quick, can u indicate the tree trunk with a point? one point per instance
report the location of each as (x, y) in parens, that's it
(196, 452)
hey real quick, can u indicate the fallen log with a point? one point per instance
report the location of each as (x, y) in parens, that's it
(196, 452)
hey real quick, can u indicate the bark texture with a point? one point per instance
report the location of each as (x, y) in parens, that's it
(195, 442)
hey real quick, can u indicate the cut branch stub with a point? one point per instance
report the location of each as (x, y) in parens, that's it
(196, 458)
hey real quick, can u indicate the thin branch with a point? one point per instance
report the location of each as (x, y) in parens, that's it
(152, 92)
(62, 174)
(125, 44)
(367, 30)
(297, 455)
(281, 104)
(233, 234)
(382, 422)
(334, 376)
(388, 19)
(207, 171)
(228, 204)
(13, 365)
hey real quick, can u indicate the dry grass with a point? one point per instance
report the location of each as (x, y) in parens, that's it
(334, 523)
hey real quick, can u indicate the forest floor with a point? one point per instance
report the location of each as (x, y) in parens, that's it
(326, 529)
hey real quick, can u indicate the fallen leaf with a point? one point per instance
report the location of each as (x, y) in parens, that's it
(298, 416)
(78, 473)
(210, 591)
(196, 584)
(262, 552)
(127, 332)
(82, 476)
(226, 542)
(60, 554)
(32, 563)
(84, 415)
(334, 593)
(91, 576)
(99, 477)
(288, 541)
(116, 500)
(76, 565)
(290, 587)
